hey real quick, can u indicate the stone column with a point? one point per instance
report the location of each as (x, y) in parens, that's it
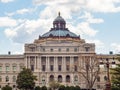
(39, 63)
(35, 63)
(47, 64)
(29, 62)
(55, 64)
(26, 61)
(63, 64)
(72, 70)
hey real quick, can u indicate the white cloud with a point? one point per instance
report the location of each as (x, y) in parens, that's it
(103, 5)
(91, 5)
(22, 11)
(10, 33)
(98, 43)
(7, 22)
(85, 28)
(90, 18)
(6, 1)
(116, 47)
(29, 30)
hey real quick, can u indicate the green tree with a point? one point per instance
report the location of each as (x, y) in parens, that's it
(43, 88)
(67, 88)
(72, 88)
(7, 87)
(37, 88)
(54, 85)
(26, 80)
(61, 87)
(116, 76)
(77, 88)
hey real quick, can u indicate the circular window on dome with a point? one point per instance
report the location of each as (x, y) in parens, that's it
(51, 35)
(67, 35)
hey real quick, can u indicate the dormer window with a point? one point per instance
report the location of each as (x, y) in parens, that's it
(87, 49)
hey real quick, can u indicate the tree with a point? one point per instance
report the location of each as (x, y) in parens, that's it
(116, 76)
(61, 87)
(67, 88)
(37, 88)
(7, 87)
(54, 85)
(43, 88)
(77, 88)
(26, 79)
(90, 70)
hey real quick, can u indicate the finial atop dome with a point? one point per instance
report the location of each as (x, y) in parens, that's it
(59, 13)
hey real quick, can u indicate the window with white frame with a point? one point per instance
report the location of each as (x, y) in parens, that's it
(14, 78)
(7, 68)
(14, 68)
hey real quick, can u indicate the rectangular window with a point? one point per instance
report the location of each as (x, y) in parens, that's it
(21, 68)
(43, 67)
(14, 68)
(67, 67)
(67, 49)
(32, 67)
(59, 67)
(75, 68)
(51, 67)
(87, 49)
(0, 68)
(7, 68)
(75, 49)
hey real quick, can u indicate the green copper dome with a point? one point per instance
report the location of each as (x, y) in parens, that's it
(59, 29)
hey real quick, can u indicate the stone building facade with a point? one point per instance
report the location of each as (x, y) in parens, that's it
(56, 55)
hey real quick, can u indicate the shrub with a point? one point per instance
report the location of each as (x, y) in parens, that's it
(7, 88)
(37, 88)
(67, 88)
(77, 88)
(44, 88)
(72, 88)
(62, 87)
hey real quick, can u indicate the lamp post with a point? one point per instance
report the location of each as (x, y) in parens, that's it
(108, 84)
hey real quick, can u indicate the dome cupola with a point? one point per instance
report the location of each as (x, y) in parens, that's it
(59, 29)
(59, 22)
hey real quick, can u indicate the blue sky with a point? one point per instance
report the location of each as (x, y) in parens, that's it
(96, 21)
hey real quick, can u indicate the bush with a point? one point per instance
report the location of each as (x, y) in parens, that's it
(7, 88)
(44, 88)
(62, 87)
(37, 88)
(77, 88)
(72, 88)
(67, 88)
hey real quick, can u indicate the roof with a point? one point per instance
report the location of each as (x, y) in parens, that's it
(59, 29)
(59, 33)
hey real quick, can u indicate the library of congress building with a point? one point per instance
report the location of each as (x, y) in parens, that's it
(59, 55)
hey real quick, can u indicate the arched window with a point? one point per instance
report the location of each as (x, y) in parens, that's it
(105, 78)
(51, 78)
(14, 78)
(76, 78)
(7, 78)
(68, 78)
(60, 78)
(98, 79)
